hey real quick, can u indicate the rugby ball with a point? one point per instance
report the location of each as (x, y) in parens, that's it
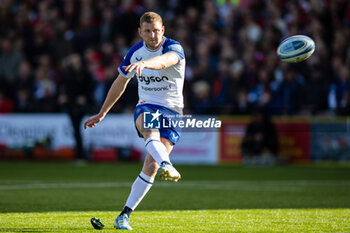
(296, 48)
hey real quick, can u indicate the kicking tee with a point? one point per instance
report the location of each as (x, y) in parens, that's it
(162, 87)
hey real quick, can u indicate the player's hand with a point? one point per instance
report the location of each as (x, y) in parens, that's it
(137, 66)
(92, 121)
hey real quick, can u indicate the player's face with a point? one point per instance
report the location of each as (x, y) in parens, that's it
(152, 34)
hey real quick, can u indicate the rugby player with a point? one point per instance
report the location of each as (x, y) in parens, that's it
(159, 65)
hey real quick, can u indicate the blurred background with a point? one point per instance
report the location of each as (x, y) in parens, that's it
(59, 58)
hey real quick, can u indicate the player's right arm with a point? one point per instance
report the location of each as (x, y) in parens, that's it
(114, 93)
(116, 90)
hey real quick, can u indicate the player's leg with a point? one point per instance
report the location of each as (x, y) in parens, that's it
(142, 184)
(166, 171)
(157, 147)
(145, 180)
(140, 187)
(153, 144)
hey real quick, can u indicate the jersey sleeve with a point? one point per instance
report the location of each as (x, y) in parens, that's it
(126, 62)
(175, 47)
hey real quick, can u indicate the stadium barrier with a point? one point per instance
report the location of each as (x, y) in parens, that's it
(293, 134)
(118, 130)
(50, 136)
(36, 136)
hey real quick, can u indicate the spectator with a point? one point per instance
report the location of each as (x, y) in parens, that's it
(10, 59)
(316, 91)
(289, 93)
(201, 102)
(6, 105)
(25, 76)
(45, 90)
(76, 95)
(109, 29)
(24, 88)
(214, 34)
(220, 88)
(340, 90)
(260, 137)
(24, 102)
(59, 47)
(260, 94)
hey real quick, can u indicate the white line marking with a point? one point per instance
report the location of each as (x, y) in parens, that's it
(64, 185)
(296, 185)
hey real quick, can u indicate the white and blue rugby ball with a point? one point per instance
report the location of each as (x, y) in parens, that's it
(296, 48)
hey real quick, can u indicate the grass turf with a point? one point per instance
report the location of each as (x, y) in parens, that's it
(257, 220)
(45, 197)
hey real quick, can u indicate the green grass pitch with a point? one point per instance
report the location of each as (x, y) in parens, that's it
(62, 197)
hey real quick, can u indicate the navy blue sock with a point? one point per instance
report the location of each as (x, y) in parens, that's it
(165, 162)
(126, 210)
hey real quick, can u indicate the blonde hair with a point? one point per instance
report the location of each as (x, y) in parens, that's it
(150, 17)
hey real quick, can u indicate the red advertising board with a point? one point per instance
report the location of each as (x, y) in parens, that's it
(294, 139)
(231, 136)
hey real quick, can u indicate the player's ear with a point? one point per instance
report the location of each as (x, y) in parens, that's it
(163, 29)
(139, 30)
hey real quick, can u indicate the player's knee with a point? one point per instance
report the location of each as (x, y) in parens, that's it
(148, 133)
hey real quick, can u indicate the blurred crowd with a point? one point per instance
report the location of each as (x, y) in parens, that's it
(62, 56)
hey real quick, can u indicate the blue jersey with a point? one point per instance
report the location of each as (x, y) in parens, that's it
(162, 87)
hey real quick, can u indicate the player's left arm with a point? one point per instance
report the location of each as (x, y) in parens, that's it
(156, 63)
